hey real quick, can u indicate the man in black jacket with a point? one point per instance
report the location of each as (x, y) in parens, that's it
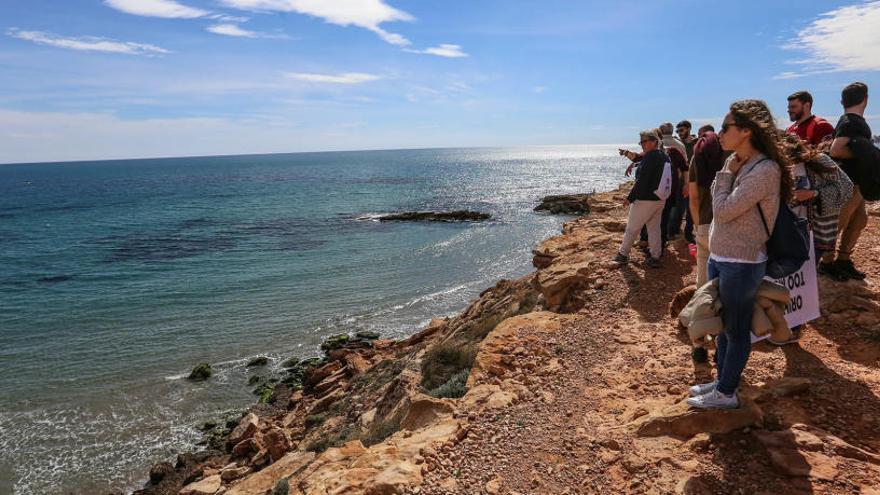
(646, 207)
(853, 216)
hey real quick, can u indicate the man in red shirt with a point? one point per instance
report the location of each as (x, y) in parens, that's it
(810, 128)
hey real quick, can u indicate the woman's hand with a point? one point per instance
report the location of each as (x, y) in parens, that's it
(736, 163)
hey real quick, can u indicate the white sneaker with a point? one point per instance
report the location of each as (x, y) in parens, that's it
(703, 388)
(714, 400)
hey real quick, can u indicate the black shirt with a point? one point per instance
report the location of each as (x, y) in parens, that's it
(851, 125)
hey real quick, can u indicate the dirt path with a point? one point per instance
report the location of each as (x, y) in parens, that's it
(618, 359)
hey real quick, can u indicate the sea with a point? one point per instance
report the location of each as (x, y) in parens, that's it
(117, 277)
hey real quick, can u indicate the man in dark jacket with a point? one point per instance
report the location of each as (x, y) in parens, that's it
(853, 216)
(646, 207)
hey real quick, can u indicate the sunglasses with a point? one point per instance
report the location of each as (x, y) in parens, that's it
(643, 141)
(725, 126)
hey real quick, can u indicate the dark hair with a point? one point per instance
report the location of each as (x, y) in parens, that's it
(684, 123)
(853, 94)
(755, 116)
(707, 127)
(798, 151)
(801, 96)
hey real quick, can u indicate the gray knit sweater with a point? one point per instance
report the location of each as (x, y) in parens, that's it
(737, 230)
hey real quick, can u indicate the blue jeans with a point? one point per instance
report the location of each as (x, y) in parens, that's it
(737, 286)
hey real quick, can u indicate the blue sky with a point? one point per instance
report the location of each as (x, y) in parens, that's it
(94, 79)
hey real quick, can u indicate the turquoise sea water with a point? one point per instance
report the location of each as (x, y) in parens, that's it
(117, 276)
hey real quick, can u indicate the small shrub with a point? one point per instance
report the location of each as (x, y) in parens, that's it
(454, 388)
(445, 360)
(318, 446)
(314, 420)
(282, 487)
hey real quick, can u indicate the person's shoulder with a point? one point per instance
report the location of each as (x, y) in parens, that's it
(824, 159)
(819, 121)
(767, 167)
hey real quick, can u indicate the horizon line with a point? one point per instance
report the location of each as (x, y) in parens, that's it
(169, 157)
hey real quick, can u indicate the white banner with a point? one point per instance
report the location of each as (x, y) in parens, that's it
(803, 286)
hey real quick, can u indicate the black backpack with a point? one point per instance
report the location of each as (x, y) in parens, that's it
(867, 173)
(788, 247)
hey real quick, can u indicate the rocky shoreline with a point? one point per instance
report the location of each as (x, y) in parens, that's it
(568, 380)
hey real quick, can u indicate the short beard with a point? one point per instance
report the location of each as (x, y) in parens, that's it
(797, 117)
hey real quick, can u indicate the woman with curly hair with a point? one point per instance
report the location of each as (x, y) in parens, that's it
(821, 190)
(746, 197)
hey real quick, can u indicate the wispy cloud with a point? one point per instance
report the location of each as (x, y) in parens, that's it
(238, 31)
(788, 75)
(87, 43)
(367, 14)
(345, 78)
(443, 50)
(168, 9)
(844, 39)
(539, 89)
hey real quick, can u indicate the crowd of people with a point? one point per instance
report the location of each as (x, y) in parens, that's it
(729, 187)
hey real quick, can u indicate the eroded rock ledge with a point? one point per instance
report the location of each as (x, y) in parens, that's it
(568, 380)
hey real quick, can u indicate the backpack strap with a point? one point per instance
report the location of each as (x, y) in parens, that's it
(763, 220)
(758, 204)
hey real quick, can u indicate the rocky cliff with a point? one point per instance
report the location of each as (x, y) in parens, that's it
(569, 380)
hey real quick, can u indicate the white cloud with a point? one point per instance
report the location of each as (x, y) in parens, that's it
(227, 18)
(539, 89)
(168, 9)
(232, 30)
(444, 50)
(367, 14)
(345, 78)
(238, 31)
(788, 75)
(87, 43)
(844, 39)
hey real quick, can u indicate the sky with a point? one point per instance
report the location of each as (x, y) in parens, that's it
(109, 79)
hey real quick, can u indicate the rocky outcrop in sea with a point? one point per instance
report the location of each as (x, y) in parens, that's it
(435, 216)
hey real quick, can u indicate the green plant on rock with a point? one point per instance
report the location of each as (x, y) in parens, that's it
(200, 372)
(335, 342)
(257, 361)
(313, 420)
(445, 360)
(454, 388)
(264, 391)
(282, 487)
